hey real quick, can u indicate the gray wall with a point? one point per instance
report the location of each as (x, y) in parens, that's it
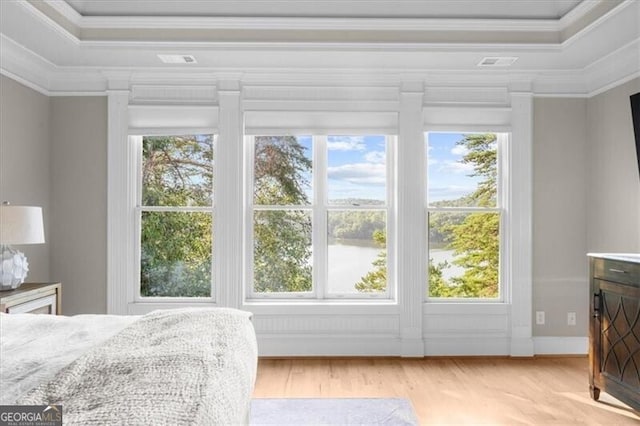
(613, 212)
(559, 218)
(586, 198)
(24, 163)
(79, 202)
(586, 192)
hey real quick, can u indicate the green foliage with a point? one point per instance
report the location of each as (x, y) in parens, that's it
(282, 251)
(473, 237)
(376, 280)
(176, 254)
(282, 238)
(476, 247)
(355, 224)
(176, 246)
(177, 170)
(437, 284)
(281, 171)
(483, 155)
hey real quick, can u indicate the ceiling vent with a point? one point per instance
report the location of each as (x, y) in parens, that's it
(178, 59)
(497, 61)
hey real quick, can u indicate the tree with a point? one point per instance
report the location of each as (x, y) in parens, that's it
(282, 238)
(476, 247)
(176, 246)
(473, 237)
(475, 241)
(483, 155)
(376, 280)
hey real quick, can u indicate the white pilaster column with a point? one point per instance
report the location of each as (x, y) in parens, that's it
(228, 192)
(120, 202)
(520, 212)
(411, 224)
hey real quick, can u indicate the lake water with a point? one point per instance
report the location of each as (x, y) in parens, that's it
(349, 263)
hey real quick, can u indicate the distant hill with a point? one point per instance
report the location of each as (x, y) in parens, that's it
(356, 202)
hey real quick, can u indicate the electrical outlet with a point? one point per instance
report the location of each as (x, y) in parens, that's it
(540, 317)
(571, 318)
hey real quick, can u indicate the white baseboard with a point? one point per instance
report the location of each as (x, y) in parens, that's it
(296, 345)
(549, 345)
(306, 345)
(466, 346)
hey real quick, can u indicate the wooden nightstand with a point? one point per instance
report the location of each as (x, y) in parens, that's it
(35, 298)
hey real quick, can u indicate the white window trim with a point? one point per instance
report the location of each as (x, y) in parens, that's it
(319, 209)
(123, 223)
(502, 140)
(408, 326)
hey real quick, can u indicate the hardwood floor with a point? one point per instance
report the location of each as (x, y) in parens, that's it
(533, 391)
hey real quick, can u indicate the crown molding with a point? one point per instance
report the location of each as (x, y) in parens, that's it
(50, 21)
(33, 70)
(321, 23)
(618, 67)
(68, 12)
(574, 15)
(622, 6)
(25, 66)
(317, 24)
(79, 28)
(439, 29)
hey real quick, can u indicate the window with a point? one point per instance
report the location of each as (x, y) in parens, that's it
(175, 213)
(464, 215)
(319, 216)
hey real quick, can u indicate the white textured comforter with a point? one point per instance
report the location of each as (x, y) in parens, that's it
(34, 347)
(184, 366)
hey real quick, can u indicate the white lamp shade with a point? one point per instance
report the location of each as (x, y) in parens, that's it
(21, 225)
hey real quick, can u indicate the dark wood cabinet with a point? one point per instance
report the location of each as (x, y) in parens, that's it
(614, 332)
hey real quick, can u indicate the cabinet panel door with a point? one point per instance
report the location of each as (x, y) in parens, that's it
(619, 334)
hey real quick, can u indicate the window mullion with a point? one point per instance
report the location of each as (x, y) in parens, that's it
(390, 149)
(136, 148)
(249, 150)
(320, 242)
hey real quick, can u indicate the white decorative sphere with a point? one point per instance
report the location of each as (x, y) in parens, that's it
(13, 268)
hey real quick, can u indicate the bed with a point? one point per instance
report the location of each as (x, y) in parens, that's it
(193, 366)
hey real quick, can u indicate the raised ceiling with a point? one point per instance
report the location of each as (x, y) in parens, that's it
(433, 9)
(561, 46)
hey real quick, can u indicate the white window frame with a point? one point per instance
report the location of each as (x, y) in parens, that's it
(135, 143)
(503, 138)
(319, 209)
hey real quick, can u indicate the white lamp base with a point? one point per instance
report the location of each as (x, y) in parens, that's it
(13, 268)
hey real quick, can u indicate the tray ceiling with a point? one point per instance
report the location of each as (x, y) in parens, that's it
(568, 46)
(433, 9)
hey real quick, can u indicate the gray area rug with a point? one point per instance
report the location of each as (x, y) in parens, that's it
(332, 411)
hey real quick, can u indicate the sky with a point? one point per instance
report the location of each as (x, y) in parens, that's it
(447, 177)
(357, 167)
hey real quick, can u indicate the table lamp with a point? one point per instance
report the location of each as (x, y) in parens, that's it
(18, 225)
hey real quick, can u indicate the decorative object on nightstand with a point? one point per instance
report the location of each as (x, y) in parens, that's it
(32, 298)
(18, 225)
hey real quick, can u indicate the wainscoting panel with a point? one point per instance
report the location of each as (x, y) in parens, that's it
(466, 329)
